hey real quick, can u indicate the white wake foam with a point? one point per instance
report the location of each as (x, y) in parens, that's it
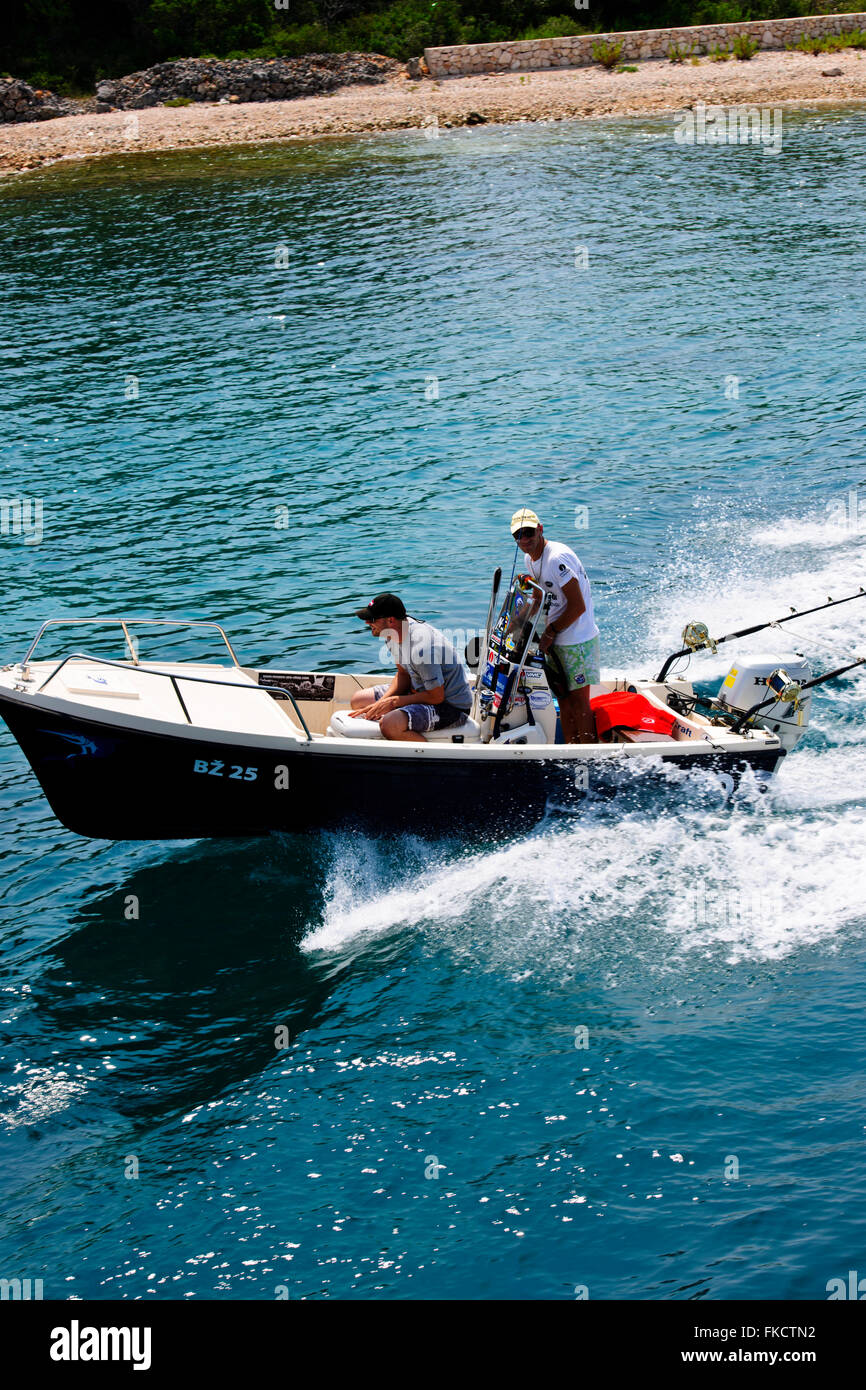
(753, 882)
(832, 530)
(757, 575)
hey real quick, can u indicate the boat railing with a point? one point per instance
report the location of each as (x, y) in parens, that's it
(126, 624)
(170, 676)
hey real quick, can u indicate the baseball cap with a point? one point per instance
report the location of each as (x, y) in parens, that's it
(382, 606)
(523, 518)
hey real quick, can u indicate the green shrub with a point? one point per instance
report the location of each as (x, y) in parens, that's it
(607, 51)
(720, 53)
(49, 82)
(558, 26)
(406, 28)
(193, 28)
(291, 43)
(808, 43)
(626, 67)
(178, 101)
(678, 52)
(745, 47)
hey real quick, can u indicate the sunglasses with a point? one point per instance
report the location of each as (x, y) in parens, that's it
(526, 534)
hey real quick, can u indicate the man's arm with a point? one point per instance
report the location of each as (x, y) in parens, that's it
(404, 695)
(400, 683)
(412, 697)
(575, 605)
(434, 696)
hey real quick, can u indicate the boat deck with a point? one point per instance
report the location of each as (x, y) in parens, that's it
(230, 700)
(205, 696)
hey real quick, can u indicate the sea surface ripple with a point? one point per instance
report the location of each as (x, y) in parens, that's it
(622, 1054)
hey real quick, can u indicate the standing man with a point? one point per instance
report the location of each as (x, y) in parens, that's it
(571, 634)
(430, 689)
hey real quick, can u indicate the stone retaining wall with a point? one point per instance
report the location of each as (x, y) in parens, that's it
(575, 52)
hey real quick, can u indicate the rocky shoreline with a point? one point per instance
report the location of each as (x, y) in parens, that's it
(276, 79)
(191, 80)
(430, 107)
(21, 102)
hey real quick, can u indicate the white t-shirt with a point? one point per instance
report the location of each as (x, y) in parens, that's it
(556, 565)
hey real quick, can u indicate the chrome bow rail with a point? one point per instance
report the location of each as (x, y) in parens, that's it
(126, 624)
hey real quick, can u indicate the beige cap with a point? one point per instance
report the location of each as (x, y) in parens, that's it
(523, 518)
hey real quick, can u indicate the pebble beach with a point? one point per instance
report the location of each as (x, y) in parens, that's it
(402, 102)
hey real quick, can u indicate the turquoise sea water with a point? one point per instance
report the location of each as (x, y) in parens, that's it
(426, 357)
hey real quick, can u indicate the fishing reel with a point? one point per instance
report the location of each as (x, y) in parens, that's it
(786, 690)
(696, 637)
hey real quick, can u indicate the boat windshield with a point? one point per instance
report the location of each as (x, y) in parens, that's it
(517, 617)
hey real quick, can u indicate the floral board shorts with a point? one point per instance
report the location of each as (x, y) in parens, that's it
(579, 664)
(423, 718)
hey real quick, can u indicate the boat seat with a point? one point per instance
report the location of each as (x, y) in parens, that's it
(342, 725)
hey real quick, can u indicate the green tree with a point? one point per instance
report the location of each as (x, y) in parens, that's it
(185, 28)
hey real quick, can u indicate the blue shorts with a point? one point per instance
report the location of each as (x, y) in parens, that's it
(423, 718)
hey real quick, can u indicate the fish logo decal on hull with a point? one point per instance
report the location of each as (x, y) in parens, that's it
(81, 745)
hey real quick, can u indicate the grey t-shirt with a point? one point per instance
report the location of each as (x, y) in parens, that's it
(431, 660)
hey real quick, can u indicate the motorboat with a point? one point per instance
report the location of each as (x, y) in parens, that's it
(139, 749)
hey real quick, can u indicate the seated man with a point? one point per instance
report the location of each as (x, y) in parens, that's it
(429, 690)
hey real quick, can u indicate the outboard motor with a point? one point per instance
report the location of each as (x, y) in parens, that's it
(754, 680)
(513, 702)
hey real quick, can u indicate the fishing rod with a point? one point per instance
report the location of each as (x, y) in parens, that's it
(514, 561)
(697, 638)
(482, 651)
(789, 692)
(497, 577)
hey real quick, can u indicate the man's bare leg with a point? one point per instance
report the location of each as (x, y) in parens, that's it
(556, 681)
(395, 726)
(567, 718)
(362, 698)
(578, 720)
